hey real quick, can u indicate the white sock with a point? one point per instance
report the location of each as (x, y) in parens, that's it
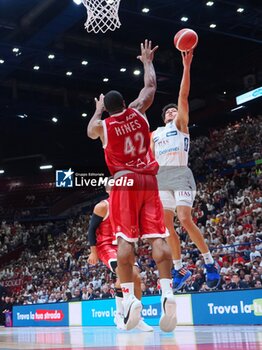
(119, 305)
(127, 289)
(166, 285)
(178, 264)
(208, 258)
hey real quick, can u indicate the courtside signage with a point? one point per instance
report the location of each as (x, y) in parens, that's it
(102, 312)
(236, 307)
(41, 315)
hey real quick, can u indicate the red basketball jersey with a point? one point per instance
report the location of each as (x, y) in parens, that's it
(104, 233)
(127, 143)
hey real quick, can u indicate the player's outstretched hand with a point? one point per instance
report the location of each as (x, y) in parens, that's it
(187, 57)
(93, 259)
(147, 53)
(100, 103)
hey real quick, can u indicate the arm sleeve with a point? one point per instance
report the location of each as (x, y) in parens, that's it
(93, 225)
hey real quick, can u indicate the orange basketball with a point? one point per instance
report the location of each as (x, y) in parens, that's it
(186, 39)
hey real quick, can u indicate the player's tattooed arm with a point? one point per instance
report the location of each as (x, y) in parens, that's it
(147, 94)
(95, 126)
(99, 213)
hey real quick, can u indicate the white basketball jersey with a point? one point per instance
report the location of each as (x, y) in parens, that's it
(171, 145)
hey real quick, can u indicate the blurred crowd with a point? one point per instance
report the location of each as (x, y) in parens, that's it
(228, 210)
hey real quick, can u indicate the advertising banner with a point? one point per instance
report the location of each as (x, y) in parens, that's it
(102, 312)
(228, 307)
(41, 315)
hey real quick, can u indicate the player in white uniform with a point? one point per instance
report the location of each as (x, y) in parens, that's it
(176, 183)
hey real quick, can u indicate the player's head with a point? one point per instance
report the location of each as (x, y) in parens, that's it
(169, 112)
(114, 102)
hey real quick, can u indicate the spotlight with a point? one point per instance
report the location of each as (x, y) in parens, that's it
(123, 70)
(54, 119)
(51, 56)
(78, 2)
(2, 171)
(184, 19)
(44, 167)
(213, 25)
(36, 67)
(145, 10)
(84, 115)
(15, 49)
(105, 80)
(2, 61)
(137, 72)
(69, 73)
(210, 3)
(240, 10)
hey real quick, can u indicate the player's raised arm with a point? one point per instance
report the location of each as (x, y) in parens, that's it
(147, 94)
(98, 215)
(182, 119)
(95, 127)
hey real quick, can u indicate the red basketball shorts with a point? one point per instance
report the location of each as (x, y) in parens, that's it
(108, 255)
(136, 211)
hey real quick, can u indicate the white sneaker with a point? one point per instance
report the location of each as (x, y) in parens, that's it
(119, 321)
(142, 326)
(168, 318)
(132, 312)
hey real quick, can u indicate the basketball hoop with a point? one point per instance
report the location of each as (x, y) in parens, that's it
(102, 15)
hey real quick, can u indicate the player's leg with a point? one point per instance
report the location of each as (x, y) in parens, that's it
(138, 293)
(152, 228)
(184, 214)
(124, 218)
(180, 274)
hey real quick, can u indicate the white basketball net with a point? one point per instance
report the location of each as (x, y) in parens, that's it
(102, 15)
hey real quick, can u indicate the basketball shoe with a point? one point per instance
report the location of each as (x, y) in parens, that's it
(168, 318)
(144, 327)
(212, 275)
(132, 312)
(180, 277)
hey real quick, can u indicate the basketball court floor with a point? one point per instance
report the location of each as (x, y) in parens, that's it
(109, 338)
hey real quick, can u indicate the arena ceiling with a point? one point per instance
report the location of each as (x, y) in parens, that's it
(32, 30)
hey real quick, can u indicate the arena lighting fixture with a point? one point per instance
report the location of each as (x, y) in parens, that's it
(145, 10)
(84, 63)
(240, 10)
(36, 67)
(105, 80)
(84, 115)
(137, 72)
(44, 167)
(54, 119)
(235, 109)
(210, 3)
(2, 61)
(212, 25)
(69, 73)
(2, 171)
(15, 49)
(224, 92)
(22, 116)
(122, 70)
(51, 56)
(78, 2)
(184, 19)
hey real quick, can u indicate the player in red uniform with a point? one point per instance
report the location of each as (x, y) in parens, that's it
(136, 211)
(100, 236)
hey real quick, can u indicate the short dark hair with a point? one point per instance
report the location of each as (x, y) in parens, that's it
(170, 105)
(113, 102)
